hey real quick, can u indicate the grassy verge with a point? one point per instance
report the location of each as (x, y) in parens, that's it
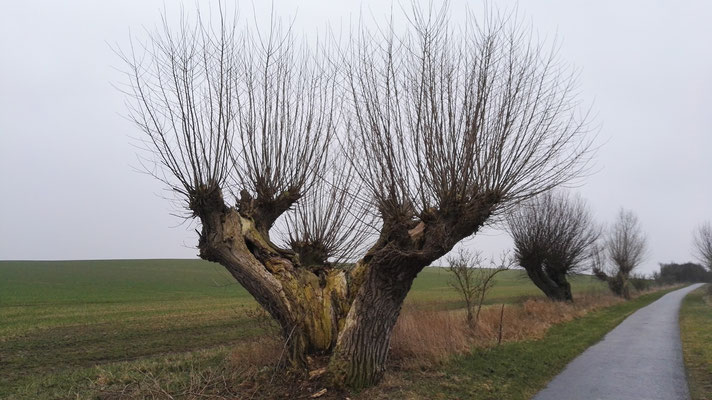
(514, 370)
(695, 323)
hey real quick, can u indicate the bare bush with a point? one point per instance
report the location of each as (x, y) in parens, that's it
(472, 278)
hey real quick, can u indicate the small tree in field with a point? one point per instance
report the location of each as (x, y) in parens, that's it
(472, 280)
(553, 237)
(625, 248)
(703, 244)
(444, 128)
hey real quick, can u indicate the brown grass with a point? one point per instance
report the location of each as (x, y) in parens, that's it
(251, 372)
(425, 337)
(257, 353)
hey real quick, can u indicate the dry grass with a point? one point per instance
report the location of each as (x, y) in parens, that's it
(428, 337)
(425, 337)
(257, 353)
(251, 372)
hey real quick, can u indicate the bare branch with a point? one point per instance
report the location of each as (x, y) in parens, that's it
(287, 113)
(329, 225)
(555, 229)
(464, 122)
(180, 88)
(703, 244)
(472, 279)
(223, 112)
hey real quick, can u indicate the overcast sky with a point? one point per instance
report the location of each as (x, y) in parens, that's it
(68, 189)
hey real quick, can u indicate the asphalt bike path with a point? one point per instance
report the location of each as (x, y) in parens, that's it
(641, 359)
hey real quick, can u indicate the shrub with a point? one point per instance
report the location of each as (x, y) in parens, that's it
(641, 282)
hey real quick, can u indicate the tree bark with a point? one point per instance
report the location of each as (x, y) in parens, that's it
(554, 285)
(309, 306)
(387, 272)
(361, 352)
(618, 283)
(563, 288)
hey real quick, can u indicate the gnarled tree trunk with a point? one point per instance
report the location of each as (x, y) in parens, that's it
(618, 283)
(553, 284)
(389, 269)
(362, 349)
(324, 310)
(309, 305)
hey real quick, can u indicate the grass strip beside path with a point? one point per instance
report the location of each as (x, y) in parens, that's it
(696, 334)
(517, 370)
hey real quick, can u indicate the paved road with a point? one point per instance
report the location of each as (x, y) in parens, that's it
(641, 359)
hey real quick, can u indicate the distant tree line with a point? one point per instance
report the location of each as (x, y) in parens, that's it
(682, 273)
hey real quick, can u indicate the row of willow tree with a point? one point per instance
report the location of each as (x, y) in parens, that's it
(555, 236)
(324, 177)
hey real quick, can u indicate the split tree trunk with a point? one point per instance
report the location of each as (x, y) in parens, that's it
(309, 306)
(350, 314)
(323, 310)
(554, 286)
(618, 283)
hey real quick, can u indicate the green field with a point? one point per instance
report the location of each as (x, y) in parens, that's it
(63, 323)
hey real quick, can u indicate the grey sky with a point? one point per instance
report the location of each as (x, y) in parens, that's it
(69, 190)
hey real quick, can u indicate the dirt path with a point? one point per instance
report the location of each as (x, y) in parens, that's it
(639, 359)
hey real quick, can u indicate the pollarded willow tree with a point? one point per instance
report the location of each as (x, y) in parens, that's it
(624, 250)
(703, 244)
(444, 128)
(554, 236)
